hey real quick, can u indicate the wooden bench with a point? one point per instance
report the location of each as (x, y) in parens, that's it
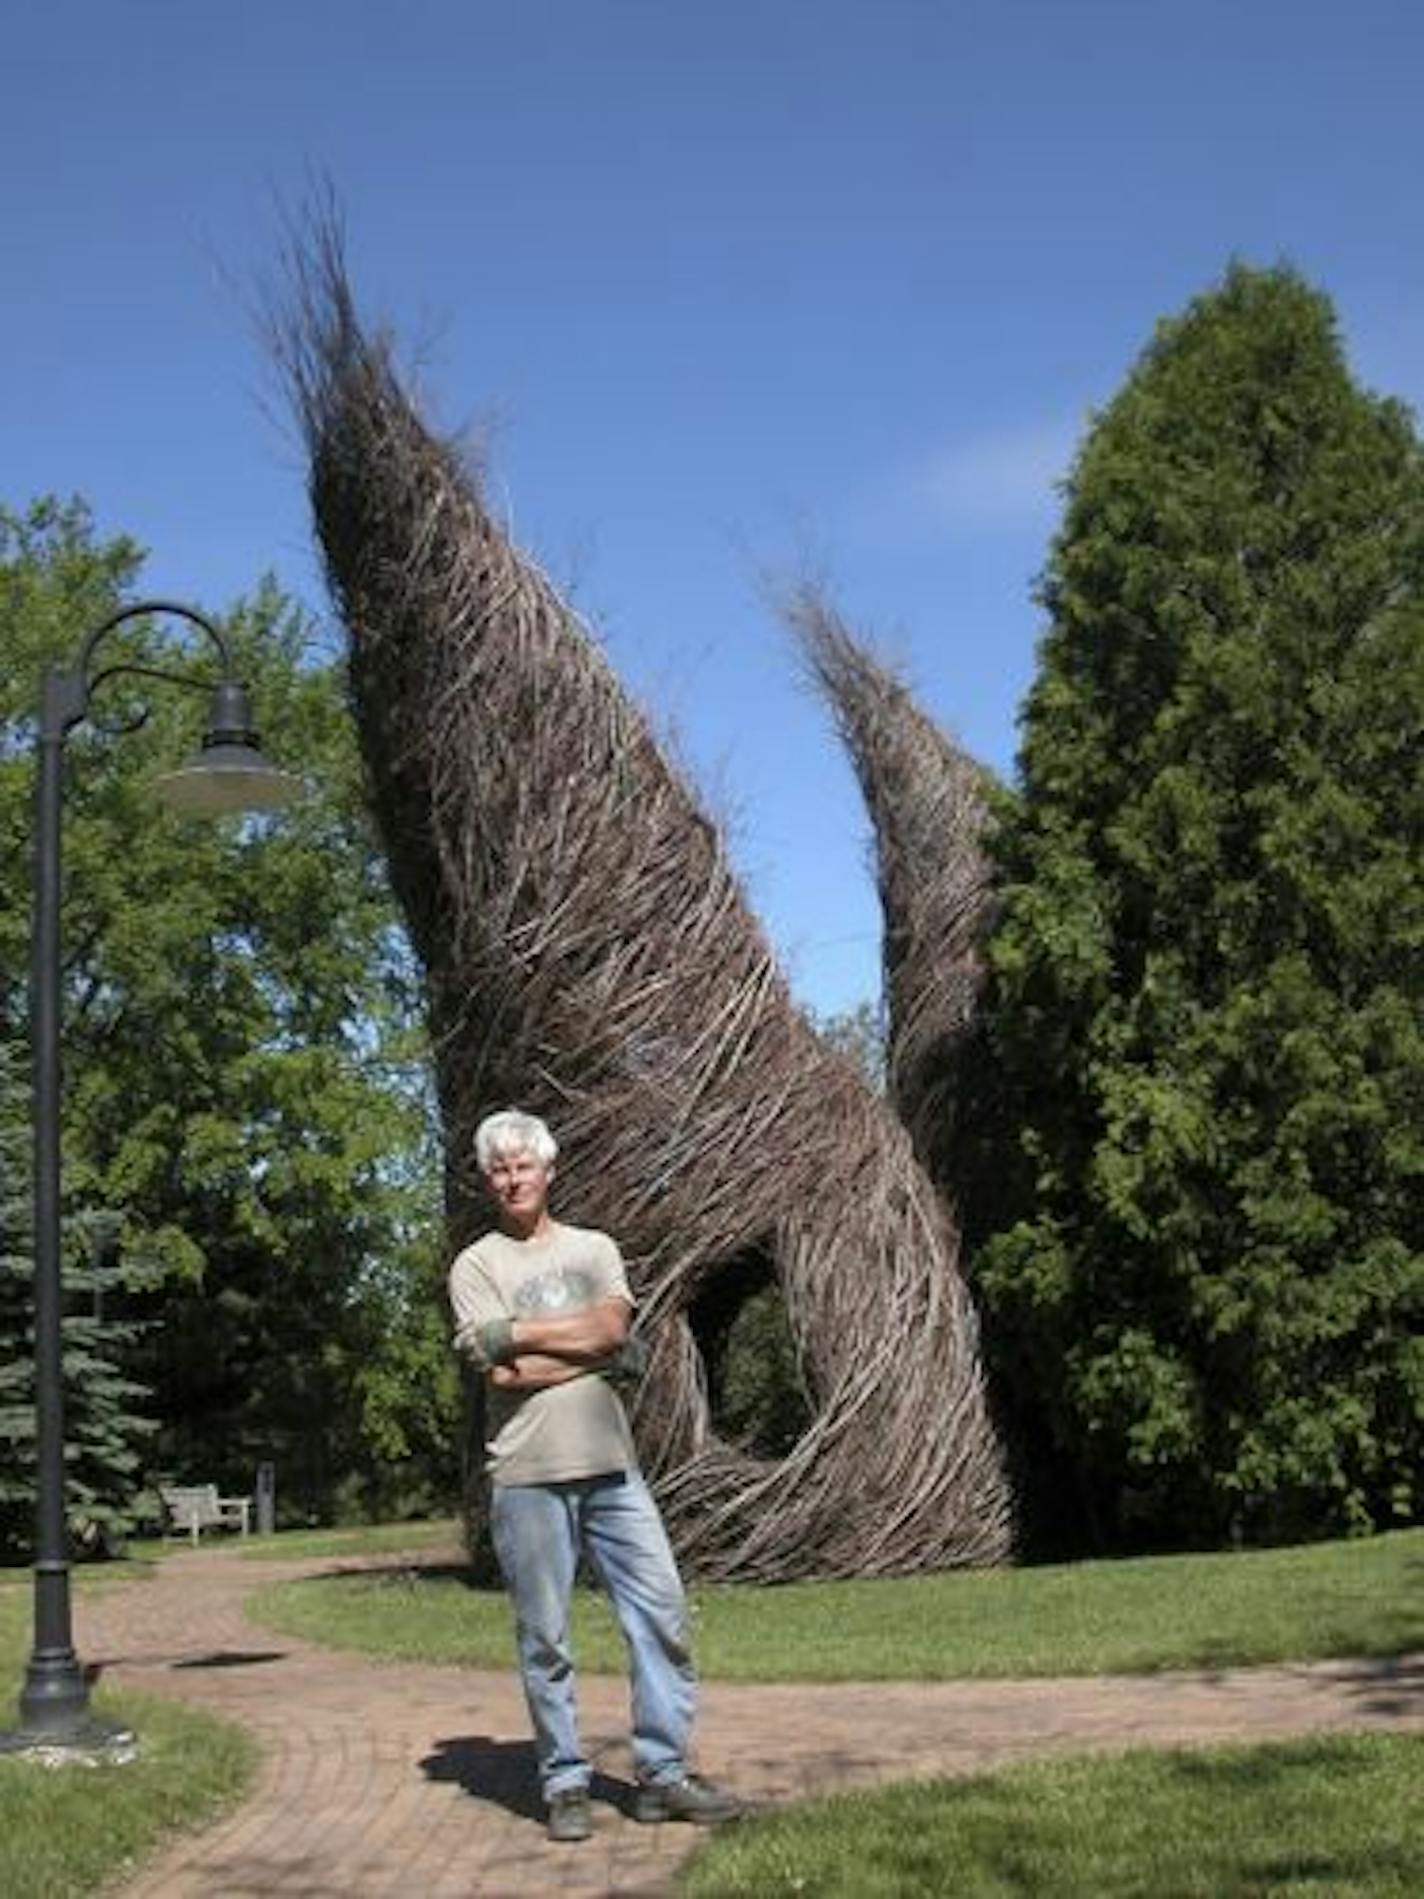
(198, 1507)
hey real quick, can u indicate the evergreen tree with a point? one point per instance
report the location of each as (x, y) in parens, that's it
(108, 1426)
(105, 1429)
(1202, 1268)
(244, 1072)
(17, 1385)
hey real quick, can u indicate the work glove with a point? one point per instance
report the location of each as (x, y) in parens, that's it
(493, 1342)
(629, 1364)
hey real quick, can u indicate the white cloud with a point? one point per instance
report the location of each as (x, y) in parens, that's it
(1003, 478)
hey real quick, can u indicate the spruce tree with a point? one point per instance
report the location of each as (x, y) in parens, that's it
(108, 1426)
(1201, 1261)
(17, 1402)
(106, 1431)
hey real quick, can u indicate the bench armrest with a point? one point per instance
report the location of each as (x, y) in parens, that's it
(237, 1509)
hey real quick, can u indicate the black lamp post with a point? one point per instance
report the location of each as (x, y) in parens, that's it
(228, 774)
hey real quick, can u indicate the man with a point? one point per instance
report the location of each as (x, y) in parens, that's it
(544, 1311)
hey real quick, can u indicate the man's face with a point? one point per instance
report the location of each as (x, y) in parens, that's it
(519, 1185)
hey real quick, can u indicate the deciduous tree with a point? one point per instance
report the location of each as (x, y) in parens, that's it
(244, 1074)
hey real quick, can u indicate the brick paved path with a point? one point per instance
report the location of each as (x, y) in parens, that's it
(395, 1778)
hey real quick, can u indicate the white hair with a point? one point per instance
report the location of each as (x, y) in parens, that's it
(511, 1131)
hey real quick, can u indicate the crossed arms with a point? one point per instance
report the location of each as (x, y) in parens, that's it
(529, 1354)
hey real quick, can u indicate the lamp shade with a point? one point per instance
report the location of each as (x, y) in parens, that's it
(229, 773)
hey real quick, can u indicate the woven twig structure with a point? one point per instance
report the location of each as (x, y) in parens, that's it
(927, 805)
(589, 956)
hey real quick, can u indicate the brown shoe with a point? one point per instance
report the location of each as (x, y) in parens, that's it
(569, 1817)
(690, 1798)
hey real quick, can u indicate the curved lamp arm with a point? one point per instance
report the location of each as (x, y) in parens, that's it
(230, 773)
(67, 689)
(200, 620)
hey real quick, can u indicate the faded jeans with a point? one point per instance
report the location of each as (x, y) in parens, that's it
(539, 1530)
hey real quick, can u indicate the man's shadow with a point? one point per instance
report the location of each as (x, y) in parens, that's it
(504, 1772)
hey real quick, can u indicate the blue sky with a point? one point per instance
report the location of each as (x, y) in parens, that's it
(732, 287)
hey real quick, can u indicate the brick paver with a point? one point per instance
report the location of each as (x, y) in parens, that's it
(394, 1778)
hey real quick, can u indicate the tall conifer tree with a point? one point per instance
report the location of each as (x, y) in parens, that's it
(105, 1426)
(17, 1403)
(1201, 1261)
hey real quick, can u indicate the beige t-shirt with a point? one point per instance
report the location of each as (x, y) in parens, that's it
(567, 1431)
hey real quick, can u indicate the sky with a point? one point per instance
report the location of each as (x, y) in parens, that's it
(730, 291)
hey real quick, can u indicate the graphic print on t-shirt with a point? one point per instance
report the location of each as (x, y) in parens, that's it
(563, 1289)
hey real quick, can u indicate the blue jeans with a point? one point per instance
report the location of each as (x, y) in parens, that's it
(539, 1530)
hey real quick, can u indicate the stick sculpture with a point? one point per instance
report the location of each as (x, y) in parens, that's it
(926, 799)
(589, 956)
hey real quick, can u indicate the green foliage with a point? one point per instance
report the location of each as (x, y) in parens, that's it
(244, 1072)
(761, 1398)
(756, 1393)
(1201, 1264)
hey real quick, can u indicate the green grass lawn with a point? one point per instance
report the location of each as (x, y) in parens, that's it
(361, 1539)
(357, 1539)
(1361, 1597)
(1334, 1815)
(75, 1829)
(18, 1580)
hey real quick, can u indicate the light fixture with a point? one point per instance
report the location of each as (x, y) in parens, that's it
(229, 773)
